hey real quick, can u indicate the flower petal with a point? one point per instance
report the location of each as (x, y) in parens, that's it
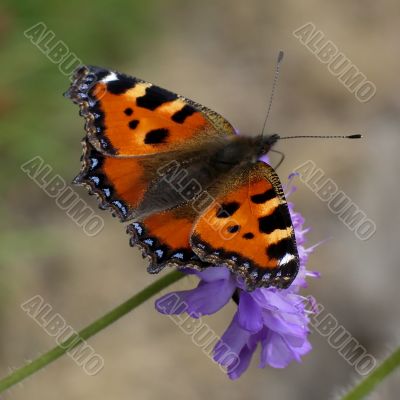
(233, 340)
(206, 299)
(277, 300)
(249, 313)
(235, 371)
(236, 341)
(278, 352)
(211, 274)
(297, 326)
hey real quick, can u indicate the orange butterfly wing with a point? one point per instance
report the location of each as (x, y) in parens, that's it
(164, 239)
(118, 183)
(126, 116)
(249, 229)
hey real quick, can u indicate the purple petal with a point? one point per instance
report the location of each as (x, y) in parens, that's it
(233, 340)
(206, 299)
(278, 352)
(215, 273)
(277, 300)
(277, 323)
(250, 315)
(234, 372)
(275, 352)
(171, 303)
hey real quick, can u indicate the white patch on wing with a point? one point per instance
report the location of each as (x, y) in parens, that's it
(95, 179)
(286, 259)
(112, 76)
(94, 162)
(178, 255)
(138, 228)
(159, 253)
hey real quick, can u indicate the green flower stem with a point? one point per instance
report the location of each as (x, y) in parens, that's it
(95, 327)
(365, 386)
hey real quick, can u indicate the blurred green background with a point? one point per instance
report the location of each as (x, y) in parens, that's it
(221, 54)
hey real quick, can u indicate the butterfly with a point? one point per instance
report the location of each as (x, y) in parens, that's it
(195, 193)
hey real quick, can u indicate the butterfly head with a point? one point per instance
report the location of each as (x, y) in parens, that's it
(266, 143)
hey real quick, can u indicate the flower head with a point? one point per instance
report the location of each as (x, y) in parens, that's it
(275, 318)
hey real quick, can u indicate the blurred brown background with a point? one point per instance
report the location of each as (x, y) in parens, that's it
(221, 54)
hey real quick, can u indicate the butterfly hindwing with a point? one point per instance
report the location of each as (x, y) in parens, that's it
(164, 239)
(249, 229)
(122, 184)
(126, 116)
(118, 183)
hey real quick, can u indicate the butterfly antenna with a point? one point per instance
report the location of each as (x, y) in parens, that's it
(354, 136)
(277, 68)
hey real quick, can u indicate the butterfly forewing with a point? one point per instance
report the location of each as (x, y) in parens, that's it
(126, 116)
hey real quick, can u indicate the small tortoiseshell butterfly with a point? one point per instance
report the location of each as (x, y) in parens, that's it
(195, 191)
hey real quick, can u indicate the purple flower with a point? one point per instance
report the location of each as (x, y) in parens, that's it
(276, 319)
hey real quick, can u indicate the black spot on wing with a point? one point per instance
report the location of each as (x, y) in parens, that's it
(156, 136)
(233, 228)
(154, 97)
(183, 113)
(278, 250)
(121, 85)
(263, 197)
(133, 124)
(278, 219)
(226, 210)
(248, 235)
(128, 111)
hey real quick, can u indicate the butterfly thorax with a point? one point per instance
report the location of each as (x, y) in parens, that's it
(242, 150)
(182, 179)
